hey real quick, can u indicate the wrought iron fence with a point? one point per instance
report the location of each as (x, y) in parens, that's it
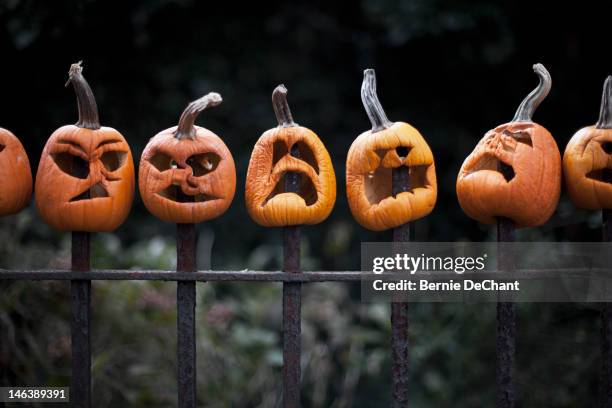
(292, 278)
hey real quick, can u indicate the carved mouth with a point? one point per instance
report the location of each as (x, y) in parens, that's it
(378, 183)
(170, 193)
(492, 163)
(602, 175)
(307, 190)
(95, 191)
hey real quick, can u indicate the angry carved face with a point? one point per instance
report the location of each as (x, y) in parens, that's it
(187, 180)
(85, 179)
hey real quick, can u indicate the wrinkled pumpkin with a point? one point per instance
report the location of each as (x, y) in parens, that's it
(587, 161)
(373, 158)
(85, 180)
(515, 170)
(187, 174)
(290, 179)
(15, 174)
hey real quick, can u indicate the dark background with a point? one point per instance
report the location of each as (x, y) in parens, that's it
(452, 69)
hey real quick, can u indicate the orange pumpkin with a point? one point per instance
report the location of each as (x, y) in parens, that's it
(515, 170)
(371, 161)
(85, 180)
(15, 174)
(187, 174)
(587, 161)
(282, 156)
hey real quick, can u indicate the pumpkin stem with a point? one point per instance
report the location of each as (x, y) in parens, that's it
(533, 100)
(281, 107)
(605, 110)
(371, 103)
(185, 128)
(88, 110)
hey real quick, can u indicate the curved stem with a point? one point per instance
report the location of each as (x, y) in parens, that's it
(605, 110)
(533, 100)
(185, 128)
(88, 110)
(281, 107)
(371, 103)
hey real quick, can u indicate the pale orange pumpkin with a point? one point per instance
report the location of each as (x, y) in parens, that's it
(289, 154)
(515, 170)
(15, 174)
(186, 173)
(587, 161)
(374, 156)
(85, 180)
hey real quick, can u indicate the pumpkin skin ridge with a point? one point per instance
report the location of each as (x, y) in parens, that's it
(15, 174)
(90, 215)
(361, 159)
(263, 176)
(153, 181)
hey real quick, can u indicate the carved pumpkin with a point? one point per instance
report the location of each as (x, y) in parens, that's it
(373, 159)
(587, 161)
(85, 180)
(15, 174)
(290, 179)
(515, 170)
(187, 174)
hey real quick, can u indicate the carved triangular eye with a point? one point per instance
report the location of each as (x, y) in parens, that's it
(203, 164)
(161, 161)
(2, 147)
(279, 150)
(71, 165)
(607, 147)
(113, 160)
(307, 155)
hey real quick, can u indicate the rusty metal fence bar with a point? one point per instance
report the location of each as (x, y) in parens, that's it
(80, 293)
(81, 276)
(506, 326)
(605, 381)
(186, 244)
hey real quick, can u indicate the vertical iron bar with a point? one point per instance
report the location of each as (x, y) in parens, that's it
(506, 325)
(186, 244)
(80, 325)
(399, 310)
(605, 378)
(292, 303)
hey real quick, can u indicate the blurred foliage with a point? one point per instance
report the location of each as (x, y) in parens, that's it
(452, 68)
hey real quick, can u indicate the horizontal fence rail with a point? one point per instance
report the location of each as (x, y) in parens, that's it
(293, 278)
(272, 276)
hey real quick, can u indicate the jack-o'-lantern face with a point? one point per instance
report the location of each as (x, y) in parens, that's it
(587, 161)
(15, 174)
(282, 155)
(371, 161)
(369, 166)
(85, 179)
(188, 175)
(515, 170)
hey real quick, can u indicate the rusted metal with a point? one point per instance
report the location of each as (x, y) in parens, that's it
(80, 293)
(605, 378)
(399, 310)
(292, 303)
(277, 276)
(186, 262)
(506, 325)
(80, 324)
